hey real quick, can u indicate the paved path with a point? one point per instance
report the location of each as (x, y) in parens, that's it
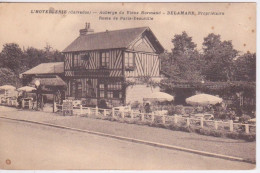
(237, 148)
(33, 146)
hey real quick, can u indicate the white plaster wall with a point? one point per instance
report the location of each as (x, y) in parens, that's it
(137, 92)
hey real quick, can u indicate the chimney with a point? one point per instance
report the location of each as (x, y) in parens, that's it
(86, 30)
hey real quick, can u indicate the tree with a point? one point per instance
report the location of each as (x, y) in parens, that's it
(8, 77)
(183, 64)
(219, 57)
(14, 60)
(11, 57)
(245, 67)
(33, 57)
(183, 44)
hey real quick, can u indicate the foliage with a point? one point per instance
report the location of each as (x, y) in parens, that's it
(142, 80)
(184, 62)
(171, 110)
(11, 57)
(232, 135)
(219, 61)
(244, 118)
(248, 137)
(135, 105)
(245, 67)
(14, 60)
(210, 132)
(8, 77)
(218, 56)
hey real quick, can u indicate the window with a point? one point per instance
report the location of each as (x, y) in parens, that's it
(85, 57)
(102, 90)
(104, 59)
(114, 90)
(117, 94)
(77, 61)
(129, 60)
(115, 86)
(110, 94)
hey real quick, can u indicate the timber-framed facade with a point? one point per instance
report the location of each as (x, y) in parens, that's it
(96, 65)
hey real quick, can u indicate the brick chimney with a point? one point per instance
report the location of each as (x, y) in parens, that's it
(86, 30)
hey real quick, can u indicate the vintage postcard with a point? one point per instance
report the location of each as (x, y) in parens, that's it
(128, 86)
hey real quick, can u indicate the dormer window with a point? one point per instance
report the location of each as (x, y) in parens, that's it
(129, 61)
(85, 57)
(85, 60)
(105, 59)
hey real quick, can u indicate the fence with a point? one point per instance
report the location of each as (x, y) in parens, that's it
(164, 119)
(8, 102)
(25, 103)
(148, 118)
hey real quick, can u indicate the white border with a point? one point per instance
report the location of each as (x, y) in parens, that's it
(181, 1)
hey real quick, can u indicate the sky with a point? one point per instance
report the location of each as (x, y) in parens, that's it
(20, 23)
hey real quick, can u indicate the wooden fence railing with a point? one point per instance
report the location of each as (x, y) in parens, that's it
(150, 117)
(164, 119)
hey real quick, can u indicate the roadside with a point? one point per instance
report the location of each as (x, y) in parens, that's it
(231, 147)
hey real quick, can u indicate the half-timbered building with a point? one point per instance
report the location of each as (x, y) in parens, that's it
(97, 64)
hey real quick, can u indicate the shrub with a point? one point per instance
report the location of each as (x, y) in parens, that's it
(160, 125)
(180, 128)
(232, 135)
(112, 119)
(179, 109)
(174, 127)
(203, 132)
(185, 129)
(248, 137)
(216, 133)
(135, 105)
(244, 118)
(171, 110)
(208, 132)
(189, 110)
(157, 119)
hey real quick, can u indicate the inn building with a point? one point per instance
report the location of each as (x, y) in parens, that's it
(98, 65)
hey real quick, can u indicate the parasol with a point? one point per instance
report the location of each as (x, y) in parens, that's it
(159, 96)
(203, 100)
(7, 87)
(26, 89)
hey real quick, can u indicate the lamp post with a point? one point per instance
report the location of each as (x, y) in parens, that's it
(37, 84)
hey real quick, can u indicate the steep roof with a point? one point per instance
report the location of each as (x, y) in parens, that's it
(46, 68)
(111, 39)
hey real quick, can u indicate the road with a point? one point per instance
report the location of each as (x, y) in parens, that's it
(32, 146)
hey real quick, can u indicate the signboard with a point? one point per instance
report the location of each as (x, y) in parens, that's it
(67, 108)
